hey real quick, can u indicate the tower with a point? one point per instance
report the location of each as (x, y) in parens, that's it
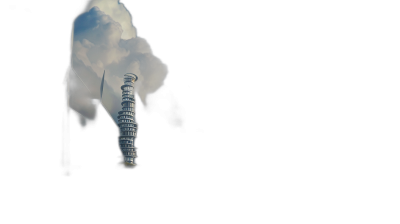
(126, 120)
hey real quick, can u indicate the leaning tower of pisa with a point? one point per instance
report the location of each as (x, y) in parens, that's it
(126, 120)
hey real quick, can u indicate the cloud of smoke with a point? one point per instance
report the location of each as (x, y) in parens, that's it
(104, 39)
(118, 13)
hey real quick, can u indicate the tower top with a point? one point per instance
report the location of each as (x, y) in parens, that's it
(131, 75)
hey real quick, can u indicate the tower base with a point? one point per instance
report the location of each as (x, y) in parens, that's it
(127, 165)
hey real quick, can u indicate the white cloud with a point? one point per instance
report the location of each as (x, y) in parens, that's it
(87, 43)
(98, 46)
(79, 51)
(118, 13)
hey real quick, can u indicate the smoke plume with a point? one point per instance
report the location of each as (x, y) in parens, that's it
(104, 39)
